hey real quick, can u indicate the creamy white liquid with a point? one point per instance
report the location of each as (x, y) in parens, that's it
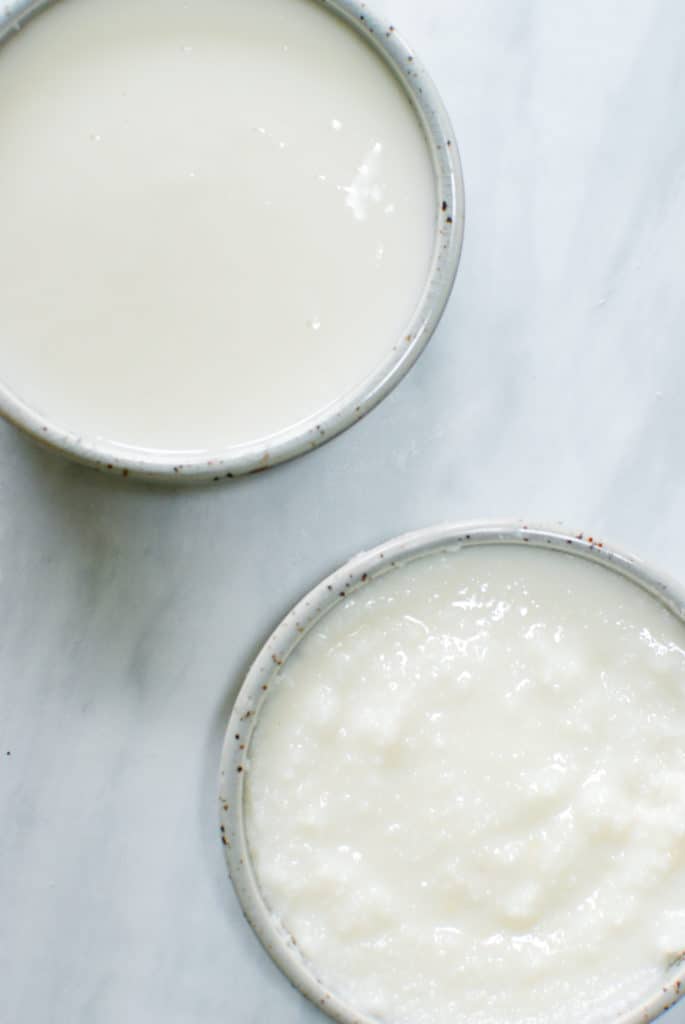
(466, 792)
(217, 217)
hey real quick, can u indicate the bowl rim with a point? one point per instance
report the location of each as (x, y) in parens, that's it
(254, 691)
(257, 455)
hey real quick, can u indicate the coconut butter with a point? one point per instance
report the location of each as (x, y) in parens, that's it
(466, 792)
(218, 219)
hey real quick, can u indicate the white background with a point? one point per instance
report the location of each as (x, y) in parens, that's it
(551, 391)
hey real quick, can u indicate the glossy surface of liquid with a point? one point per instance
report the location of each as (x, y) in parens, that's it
(218, 217)
(466, 792)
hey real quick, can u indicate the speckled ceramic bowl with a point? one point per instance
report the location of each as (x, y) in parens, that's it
(280, 645)
(401, 356)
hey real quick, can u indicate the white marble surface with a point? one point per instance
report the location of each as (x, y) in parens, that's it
(552, 390)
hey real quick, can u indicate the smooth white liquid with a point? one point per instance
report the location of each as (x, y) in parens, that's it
(466, 792)
(218, 217)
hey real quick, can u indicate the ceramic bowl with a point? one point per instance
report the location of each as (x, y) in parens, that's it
(449, 215)
(280, 645)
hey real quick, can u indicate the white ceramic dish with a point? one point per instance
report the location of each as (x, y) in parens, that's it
(449, 214)
(285, 638)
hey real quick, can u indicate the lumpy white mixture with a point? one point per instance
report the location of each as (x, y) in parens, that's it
(466, 792)
(218, 217)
